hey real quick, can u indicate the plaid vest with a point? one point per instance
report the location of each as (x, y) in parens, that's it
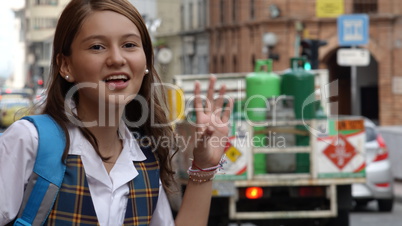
(74, 206)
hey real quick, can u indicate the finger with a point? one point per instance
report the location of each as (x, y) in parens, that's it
(210, 94)
(228, 110)
(204, 136)
(219, 101)
(197, 102)
(209, 130)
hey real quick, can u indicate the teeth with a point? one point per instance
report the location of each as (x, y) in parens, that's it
(116, 77)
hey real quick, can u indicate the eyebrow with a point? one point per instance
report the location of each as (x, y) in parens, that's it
(91, 37)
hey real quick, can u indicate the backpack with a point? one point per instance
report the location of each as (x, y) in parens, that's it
(47, 175)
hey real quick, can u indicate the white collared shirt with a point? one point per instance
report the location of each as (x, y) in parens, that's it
(109, 192)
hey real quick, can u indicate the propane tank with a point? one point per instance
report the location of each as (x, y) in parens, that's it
(299, 84)
(260, 85)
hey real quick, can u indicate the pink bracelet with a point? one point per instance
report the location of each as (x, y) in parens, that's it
(208, 169)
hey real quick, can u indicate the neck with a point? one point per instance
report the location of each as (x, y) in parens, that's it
(104, 126)
(104, 116)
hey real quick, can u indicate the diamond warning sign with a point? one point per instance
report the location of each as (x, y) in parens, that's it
(340, 151)
(232, 153)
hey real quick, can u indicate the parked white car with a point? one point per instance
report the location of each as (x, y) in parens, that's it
(380, 183)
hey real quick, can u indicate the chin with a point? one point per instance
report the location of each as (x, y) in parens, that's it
(120, 99)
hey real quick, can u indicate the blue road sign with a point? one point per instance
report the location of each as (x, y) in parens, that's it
(353, 29)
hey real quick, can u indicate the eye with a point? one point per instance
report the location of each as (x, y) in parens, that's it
(96, 47)
(129, 45)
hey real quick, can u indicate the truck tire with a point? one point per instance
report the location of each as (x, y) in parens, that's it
(385, 205)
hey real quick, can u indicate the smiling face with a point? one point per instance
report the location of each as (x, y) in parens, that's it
(107, 55)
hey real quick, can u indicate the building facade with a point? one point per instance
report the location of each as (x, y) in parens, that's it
(167, 44)
(237, 29)
(183, 34)
(195, 39)
(40, 19)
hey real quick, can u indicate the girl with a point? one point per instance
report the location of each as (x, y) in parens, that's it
(100, 94)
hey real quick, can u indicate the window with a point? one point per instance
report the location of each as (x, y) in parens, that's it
(215, 65)
(234, 10)
(365, 6)
(222, 11)
(205, 12)
(252, 11)
(182, 16)
(222, 64)
(218, 39)
(47, 51)
(200, 14)
(46, 2)
(371, 133)
(234, 64)
(190, 15)
(43, 23)
(253, 61)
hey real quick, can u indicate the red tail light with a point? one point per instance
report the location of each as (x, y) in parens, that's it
(382, 151)
(383, 185)
(311, 191)
(254, 192)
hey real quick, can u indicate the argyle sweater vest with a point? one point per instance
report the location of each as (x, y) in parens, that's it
(74, 206)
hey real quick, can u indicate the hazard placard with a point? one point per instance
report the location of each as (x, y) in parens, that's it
(236, 154)
(341, 153)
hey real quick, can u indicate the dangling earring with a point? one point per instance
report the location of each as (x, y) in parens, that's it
(67, 77)
(146, 71)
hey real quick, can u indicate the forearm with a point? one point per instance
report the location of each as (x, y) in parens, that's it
(196, 203)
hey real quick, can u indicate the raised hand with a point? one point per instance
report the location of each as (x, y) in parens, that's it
(211, 125)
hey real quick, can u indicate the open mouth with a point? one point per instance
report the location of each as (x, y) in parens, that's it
(116, 79)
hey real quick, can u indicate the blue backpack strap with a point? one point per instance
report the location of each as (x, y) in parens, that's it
(48, 172)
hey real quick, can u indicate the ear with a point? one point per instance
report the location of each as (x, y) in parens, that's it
(65, 67)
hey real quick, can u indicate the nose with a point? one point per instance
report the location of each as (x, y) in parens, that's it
(115, 58)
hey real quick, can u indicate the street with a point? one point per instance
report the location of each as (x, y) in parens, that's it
(369, 216)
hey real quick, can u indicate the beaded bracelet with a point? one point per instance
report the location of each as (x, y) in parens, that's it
(201, 174)
(200, 180)
(197, 174)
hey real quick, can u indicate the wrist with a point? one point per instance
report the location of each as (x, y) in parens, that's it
(201, 179)
(200, 175)
(196, 167)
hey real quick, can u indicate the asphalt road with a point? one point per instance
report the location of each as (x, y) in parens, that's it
(369, 216)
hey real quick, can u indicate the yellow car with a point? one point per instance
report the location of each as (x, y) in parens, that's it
(12, 110)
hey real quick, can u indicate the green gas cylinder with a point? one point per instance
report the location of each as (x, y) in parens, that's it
(299, 84)
(260, 85)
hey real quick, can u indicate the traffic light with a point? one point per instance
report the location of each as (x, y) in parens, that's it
(310, 51)
(307, 66)
(40, 82)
